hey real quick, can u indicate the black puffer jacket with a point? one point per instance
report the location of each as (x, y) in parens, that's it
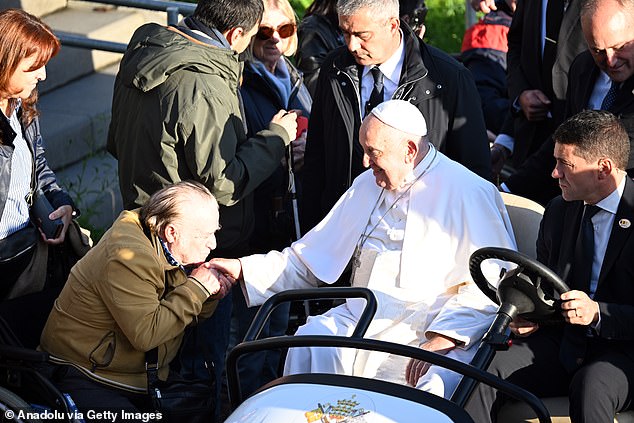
(45, 177)
(438, 85)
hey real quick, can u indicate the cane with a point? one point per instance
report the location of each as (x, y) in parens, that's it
(293, 191)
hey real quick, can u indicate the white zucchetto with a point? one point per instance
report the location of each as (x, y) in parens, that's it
(401, 115)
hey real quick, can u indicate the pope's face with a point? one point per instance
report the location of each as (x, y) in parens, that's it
(370, 40)
(385, 151)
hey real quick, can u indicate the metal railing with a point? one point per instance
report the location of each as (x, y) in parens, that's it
(172, 8)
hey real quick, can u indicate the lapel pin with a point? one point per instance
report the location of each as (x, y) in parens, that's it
(625, 223)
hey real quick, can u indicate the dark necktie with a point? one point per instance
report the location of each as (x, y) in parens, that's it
(573, 345)
(376, 97)
(584, 250)
(610, 97)
(554, 16)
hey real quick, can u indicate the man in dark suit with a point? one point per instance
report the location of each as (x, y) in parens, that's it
(590, 357)
(608, 27)
(536, 84)
(544, 38)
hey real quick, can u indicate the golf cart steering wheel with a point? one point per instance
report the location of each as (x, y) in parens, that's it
(531, 290)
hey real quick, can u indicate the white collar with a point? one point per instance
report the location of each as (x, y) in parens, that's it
(611, 202)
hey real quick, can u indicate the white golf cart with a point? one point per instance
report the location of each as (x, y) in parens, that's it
(338, 398)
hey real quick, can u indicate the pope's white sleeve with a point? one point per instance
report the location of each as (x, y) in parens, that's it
(268, 274)
(465, 316)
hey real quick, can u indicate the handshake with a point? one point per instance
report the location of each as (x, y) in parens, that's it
(217, 276)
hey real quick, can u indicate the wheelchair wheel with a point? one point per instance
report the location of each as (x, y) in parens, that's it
(11, 405)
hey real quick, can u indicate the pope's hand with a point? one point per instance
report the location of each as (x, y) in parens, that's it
(437, 343)
(231, 268)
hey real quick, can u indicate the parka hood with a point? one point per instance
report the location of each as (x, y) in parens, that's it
(155, 52)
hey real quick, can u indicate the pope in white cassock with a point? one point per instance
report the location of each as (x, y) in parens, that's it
(409, 225)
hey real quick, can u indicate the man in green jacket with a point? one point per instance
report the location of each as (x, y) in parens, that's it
(176, 115)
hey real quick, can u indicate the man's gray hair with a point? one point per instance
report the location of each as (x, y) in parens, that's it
(165, 205)
(380, 8)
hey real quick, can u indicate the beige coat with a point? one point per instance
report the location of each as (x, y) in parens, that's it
(113, 308)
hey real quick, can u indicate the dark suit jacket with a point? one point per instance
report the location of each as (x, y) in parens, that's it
(615, 290)
(533, 179)
(524, 69)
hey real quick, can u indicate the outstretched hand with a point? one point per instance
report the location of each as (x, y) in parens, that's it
(230, 268)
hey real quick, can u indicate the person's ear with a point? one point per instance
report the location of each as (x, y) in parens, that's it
(395, 24)
(412, 151)
(234, 35)
(170, 233)
(605, 167)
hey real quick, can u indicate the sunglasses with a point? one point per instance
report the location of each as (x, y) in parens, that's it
(284, 31)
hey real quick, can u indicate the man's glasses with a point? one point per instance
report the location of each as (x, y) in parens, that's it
(284, 31)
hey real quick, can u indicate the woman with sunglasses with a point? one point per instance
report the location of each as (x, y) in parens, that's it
(271, 83)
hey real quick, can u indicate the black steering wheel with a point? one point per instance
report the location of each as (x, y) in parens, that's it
(531, 290)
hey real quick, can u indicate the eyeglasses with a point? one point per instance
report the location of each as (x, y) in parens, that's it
(284, 31)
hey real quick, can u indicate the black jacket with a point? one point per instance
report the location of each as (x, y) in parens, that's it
(438, 85)
(317, 36)
(45, 177)
(524, 70)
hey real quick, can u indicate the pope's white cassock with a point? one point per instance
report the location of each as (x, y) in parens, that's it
(415, 246)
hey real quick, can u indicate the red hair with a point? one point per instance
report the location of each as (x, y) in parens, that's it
(23, 35)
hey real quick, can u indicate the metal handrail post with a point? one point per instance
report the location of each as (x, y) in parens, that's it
(73, 40)
(172, 16)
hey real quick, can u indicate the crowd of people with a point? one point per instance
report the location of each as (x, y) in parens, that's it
(369, 159)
